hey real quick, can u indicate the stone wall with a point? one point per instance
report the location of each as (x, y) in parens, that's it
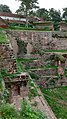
(39, 40)
(37, 45)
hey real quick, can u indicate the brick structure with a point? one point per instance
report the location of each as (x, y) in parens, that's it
(47, 25)
(12, 18)
(17, 86)
(3, 24)
(63, 26)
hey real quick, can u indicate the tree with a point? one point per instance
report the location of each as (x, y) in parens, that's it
(55, 15)
(32, 13)
(65, 13)
(28, 5)
(21, 10)
(4, 8)
(43, 13)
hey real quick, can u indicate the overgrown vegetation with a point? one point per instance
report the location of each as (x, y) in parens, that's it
(26, 112)
(32, 89)
(22, 46)
(57, 99)
(8, 112)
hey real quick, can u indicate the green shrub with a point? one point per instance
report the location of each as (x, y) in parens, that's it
(32, 90)
(8, 112)
(27, 112)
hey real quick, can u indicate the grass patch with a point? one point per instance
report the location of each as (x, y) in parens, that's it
(55, 50)
(19, 68)
(3, 38)
(57, 99)
(42, 68)
(26, 60)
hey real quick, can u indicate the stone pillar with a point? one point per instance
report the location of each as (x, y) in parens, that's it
(10, 95)
(23, 91)
(29, 48)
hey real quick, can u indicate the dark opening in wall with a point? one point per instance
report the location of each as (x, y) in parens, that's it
(17, 90)
(25, 83)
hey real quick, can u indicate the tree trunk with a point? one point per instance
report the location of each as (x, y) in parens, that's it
(26, 17)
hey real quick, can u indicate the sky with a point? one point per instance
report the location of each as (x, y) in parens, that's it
(56, 4)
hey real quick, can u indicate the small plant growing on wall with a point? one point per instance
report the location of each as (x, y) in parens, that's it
(32, 90)
(21, 46)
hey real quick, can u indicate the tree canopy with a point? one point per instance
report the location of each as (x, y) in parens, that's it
(29, 4)
(65, 13)
(43, 13)
(55, 15)
(4, 8)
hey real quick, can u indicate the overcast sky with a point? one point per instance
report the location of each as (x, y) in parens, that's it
(57, 4)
